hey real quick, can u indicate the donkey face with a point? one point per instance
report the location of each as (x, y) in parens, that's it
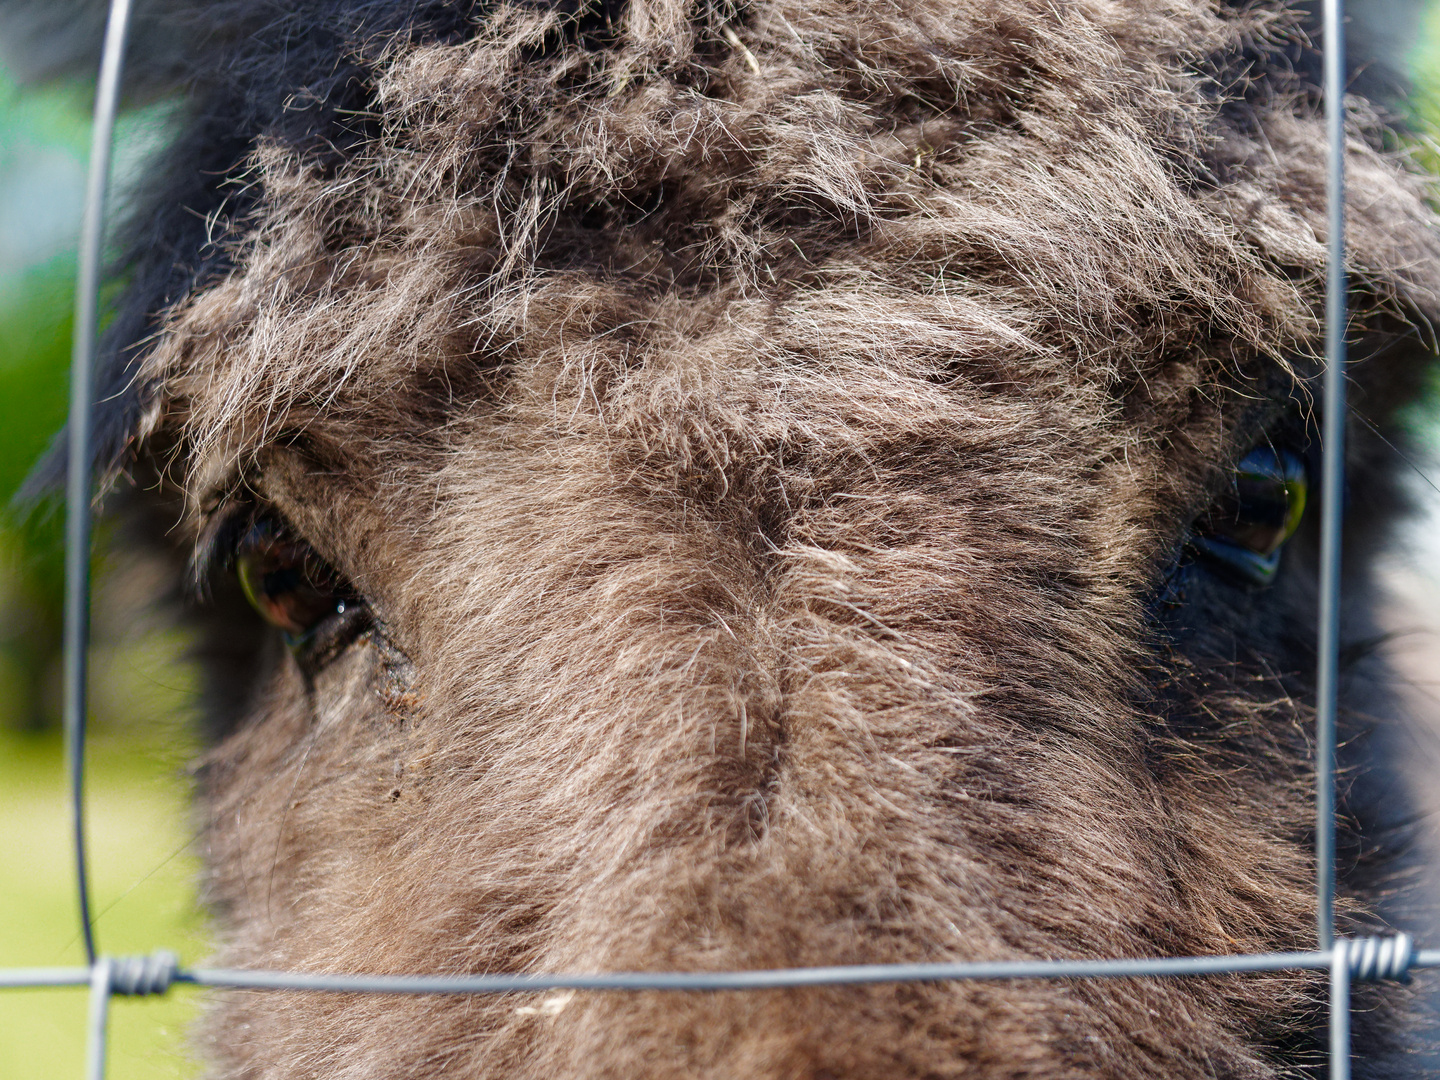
(769, 488)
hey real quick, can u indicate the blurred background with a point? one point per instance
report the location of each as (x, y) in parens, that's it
(144, 690)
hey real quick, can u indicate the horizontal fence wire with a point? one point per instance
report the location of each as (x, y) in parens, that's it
(1346, 960)
(1400, 959)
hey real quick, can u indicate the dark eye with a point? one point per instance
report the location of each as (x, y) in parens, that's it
(297, 591)
(1246, 529)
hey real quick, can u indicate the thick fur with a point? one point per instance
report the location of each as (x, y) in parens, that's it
(767, 437)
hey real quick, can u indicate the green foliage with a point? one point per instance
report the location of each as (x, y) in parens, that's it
(40, 130)
(36, 307)
(43, 140)
(1425, 96)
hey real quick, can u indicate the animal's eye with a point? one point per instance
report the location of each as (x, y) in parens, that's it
(1246, 529)
(297, 591)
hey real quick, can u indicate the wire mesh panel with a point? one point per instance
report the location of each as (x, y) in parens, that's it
(1345, 960)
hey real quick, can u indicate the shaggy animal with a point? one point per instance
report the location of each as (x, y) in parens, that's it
(765, 485)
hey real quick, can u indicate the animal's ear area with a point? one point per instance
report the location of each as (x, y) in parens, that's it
(171, 42)
(52, 39)
(1392, 237)
(1379, 37)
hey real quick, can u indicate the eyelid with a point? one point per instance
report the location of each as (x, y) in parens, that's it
(214, 551)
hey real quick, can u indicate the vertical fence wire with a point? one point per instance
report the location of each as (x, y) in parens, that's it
(98, 1029)
(1332, 490)
(78, 507)
(1340, 1010)
(78, 480)
(1332, 499)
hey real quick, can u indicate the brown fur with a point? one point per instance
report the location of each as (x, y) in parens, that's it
(764, 461)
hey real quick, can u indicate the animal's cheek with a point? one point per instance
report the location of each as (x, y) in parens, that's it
(372, 677)
(366, 709)
(320, 771)
(342, 691)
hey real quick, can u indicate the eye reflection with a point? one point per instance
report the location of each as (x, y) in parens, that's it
(287, 583)
(1247, 528)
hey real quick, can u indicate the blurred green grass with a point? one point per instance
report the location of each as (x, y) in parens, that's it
(144, 885)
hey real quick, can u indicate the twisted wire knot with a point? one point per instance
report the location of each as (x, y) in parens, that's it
(140, 976)
(1372, 959)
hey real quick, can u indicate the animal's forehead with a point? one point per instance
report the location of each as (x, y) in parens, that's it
(519, 208)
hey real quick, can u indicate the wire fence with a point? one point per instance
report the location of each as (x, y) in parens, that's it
(1346, 960)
